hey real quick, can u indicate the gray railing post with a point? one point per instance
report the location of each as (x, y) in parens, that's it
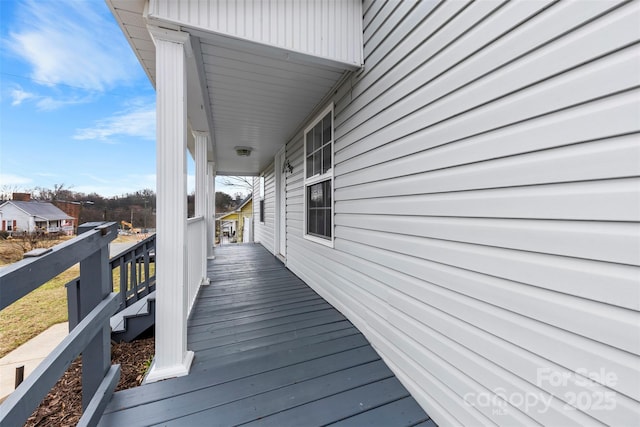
(73, 302)
(95, 285)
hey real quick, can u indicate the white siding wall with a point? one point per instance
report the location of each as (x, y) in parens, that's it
(487, 206)
(325, 28)
(264, 231)
(24, 222)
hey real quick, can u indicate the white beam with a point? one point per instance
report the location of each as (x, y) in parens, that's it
(211, 209)
(172, 358)
(201, 146)
(201, 142)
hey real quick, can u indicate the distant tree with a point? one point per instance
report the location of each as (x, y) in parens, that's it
(59, 192)
(224, 202)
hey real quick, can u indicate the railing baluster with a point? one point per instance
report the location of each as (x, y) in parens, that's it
(146, 268)
(123, 283)
(134, 274)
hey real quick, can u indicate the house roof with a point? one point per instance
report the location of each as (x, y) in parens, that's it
(245, 201)
(242, 204)
(42, 210)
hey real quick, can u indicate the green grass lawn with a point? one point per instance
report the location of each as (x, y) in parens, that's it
(35, 312)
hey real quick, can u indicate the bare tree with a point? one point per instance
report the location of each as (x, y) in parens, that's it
(26, 242)
(59, 192)
(241, 182)
(7, 190)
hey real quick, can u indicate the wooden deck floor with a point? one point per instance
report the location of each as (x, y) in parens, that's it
(269, 351)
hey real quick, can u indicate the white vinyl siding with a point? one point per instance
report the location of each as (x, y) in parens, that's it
(487, 203)
(323, 28)
(264, 230)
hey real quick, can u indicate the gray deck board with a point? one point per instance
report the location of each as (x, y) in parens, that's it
(221, 338)
(403, 412)
(269, 351)
(343, 404)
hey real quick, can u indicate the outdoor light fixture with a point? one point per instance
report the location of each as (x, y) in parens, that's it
(243, 151)
(286, 166)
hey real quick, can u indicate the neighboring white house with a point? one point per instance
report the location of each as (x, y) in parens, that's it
(459, 179)
(33, 216)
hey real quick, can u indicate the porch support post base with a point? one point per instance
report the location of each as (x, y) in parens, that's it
(179, 370)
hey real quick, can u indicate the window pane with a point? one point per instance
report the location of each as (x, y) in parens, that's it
(316, 162)
(326, 158)
(317, 196)
(319, 221)
(327, 223)
(327, 192)
(309, 139)
(317, 136)
(326, 129)
(309, 166)
(314, 222)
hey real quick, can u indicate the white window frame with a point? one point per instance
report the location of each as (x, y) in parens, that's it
(328, 175)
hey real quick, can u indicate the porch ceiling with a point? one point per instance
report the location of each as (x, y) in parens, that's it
(258, 101)
(256, 95)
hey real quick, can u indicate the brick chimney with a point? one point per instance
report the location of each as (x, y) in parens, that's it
(21, 197)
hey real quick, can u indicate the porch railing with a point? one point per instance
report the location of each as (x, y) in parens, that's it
(196, 257)
(91, 337)
(136, 278)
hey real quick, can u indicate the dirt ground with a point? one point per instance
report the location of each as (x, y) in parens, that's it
(63, 405)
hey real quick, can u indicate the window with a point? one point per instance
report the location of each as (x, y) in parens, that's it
(261, 196)
(10, 225)
(318, 182)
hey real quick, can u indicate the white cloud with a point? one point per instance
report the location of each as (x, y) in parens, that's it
(8, 179)
(71, 43)
(140, 121)
(18, 95)
(48, 103)
(120, 186)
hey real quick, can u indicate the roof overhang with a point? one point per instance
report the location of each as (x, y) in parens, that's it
(251, 86)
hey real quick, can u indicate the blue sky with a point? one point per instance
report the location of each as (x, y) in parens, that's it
(75, 106)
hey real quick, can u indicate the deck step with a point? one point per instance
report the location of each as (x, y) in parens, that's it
(129, 323)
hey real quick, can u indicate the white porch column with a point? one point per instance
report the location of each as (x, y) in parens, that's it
(172, 358)
(201, 143)
(201, 139)
(211, 209)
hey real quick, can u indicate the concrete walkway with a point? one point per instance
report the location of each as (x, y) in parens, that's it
(29, 354)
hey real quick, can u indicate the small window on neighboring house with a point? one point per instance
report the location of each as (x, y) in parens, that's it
(10, 225)
(262, 210)
(318, 182)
